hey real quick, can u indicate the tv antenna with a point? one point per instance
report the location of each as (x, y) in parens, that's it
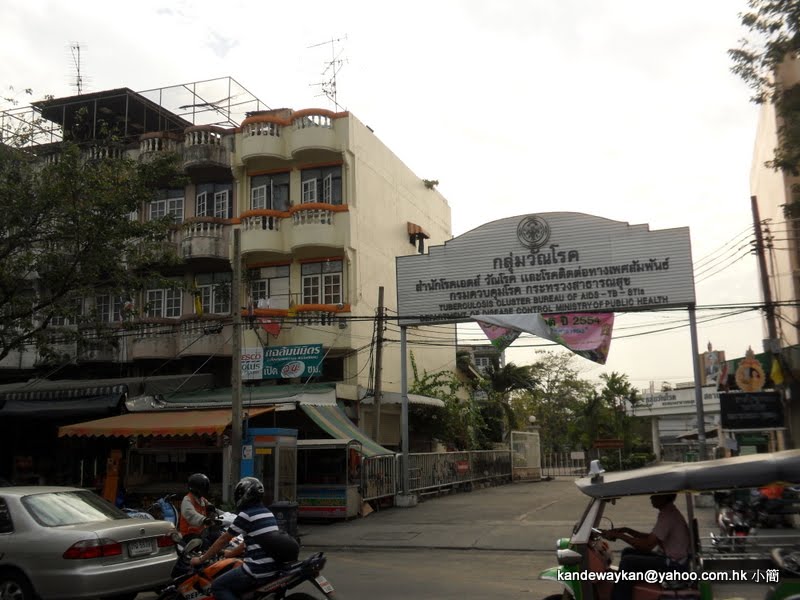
(332, 68)
(75, 50)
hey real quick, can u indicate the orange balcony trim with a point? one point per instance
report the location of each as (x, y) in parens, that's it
(265, 212)
(319, 206)
(333, 308)
(297, 115)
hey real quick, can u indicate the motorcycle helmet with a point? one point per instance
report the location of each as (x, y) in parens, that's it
(199, 485)
(248, 491)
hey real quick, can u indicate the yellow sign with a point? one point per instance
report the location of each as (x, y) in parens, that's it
(263, 450)
(750, 375)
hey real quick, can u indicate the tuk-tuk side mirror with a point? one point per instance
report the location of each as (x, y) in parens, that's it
(596, 470)
(567, 556)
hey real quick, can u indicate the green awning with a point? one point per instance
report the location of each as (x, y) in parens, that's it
(336, 424)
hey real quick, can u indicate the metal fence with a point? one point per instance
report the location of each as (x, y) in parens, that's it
(379, 477)
(564, 464)
(432, 471)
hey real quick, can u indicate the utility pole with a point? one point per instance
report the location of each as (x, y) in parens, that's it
(378, 390)
(236, 368)
(769, 307)
(772, 345)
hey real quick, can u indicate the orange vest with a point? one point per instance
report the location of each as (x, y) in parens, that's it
(183, 525)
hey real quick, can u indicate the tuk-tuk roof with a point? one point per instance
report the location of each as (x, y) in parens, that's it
(754, 470)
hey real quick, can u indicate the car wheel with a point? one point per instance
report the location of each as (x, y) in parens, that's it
(14, 586)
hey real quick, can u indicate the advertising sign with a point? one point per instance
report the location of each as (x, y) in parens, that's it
(252, 363)
(546, 263)
(675, 402)
(761, 410)
(586, 334)
(285, 362)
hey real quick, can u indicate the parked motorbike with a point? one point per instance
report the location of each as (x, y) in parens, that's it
(772, 512)
(735, 522)
(787, 560)
(195, 583)
(164, 509)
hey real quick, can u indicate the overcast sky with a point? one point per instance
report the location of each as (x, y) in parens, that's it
(621, 109)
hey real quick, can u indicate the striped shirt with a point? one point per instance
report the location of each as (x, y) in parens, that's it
(251, 522)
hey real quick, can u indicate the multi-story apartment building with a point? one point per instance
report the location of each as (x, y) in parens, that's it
(323, 208)
(778, 198)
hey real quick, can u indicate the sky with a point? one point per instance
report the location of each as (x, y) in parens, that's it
(622, 109)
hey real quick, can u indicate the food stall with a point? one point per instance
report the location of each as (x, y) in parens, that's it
(328, 478)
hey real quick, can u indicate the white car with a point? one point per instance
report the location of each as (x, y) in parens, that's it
(62, 542)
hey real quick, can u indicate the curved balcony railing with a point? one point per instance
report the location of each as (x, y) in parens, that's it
(158, 142)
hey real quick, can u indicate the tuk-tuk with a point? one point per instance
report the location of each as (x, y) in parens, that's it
(585, 559)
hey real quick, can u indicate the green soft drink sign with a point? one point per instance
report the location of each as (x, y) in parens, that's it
(286, 362)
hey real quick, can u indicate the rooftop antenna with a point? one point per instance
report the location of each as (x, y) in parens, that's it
(332, 68)
(75, 50)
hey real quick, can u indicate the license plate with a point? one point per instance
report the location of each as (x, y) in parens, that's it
(140, 547)
(323, 584)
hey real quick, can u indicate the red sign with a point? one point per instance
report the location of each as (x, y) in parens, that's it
(271, 326)
(462, 467)
(608, 444)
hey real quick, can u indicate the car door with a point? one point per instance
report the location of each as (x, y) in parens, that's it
(6, 528)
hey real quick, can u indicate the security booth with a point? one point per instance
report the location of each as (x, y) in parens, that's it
(270, 454)
(329, 478)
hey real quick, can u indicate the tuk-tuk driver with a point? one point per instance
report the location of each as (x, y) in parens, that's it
(665, 548)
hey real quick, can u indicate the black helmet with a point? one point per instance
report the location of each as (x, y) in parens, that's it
(248, 491)
(199, 485)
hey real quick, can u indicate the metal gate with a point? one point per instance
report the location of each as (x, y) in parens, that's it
(564, 464)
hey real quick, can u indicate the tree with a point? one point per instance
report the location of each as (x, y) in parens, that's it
(554, 401)
(67, 233)
(459, 423)
(774, 39)
(499, 384)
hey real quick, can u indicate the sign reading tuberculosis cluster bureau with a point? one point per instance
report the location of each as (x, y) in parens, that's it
(547, 263)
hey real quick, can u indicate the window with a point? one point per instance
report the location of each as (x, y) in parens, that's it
(214, 291)
(323, 184)
(269, 192)
(6, 525)
(108, 309)
(214, 200)
(167, 203)
(71, 319)
(269, 287)
(322, 282)
(164, 303)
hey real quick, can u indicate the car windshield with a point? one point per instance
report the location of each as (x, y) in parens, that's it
(53, 509)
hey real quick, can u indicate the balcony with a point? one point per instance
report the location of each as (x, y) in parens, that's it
(321, 323)
(107, 348)
(317, 224)
(262, 232)
(262, 137)
(205, 336)
(154, 338)
(204, 147)
(204, 238)
(158, 141)
(312, 129)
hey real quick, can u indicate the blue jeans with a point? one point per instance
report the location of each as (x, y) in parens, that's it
(232, 584)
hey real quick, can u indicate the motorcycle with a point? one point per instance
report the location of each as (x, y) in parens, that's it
(195, 583)
(734, 520)
(772, 512)
(787, 560)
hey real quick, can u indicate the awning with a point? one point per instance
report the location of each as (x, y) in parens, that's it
(397, 398)
(336, 424)
(83, 402)
(161, 423)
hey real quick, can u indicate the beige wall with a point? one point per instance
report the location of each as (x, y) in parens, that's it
(772, 189)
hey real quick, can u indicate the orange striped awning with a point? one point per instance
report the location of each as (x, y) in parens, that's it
(161, 423)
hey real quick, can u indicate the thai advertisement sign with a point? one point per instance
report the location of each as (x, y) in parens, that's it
(285, 362)
(252, 364)
(675, 402)
(586, 334)
(547, 263)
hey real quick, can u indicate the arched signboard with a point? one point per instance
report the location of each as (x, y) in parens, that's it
(546, 263)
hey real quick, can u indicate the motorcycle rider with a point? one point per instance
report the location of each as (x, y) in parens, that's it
(253, 521)
(195, 507)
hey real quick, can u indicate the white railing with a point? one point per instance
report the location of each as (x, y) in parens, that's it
(157, 144)
(203, 137)
(202, 229)
(314, 121)
(261, 222)
(313, 216)
(269, 129)
(100, 152)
